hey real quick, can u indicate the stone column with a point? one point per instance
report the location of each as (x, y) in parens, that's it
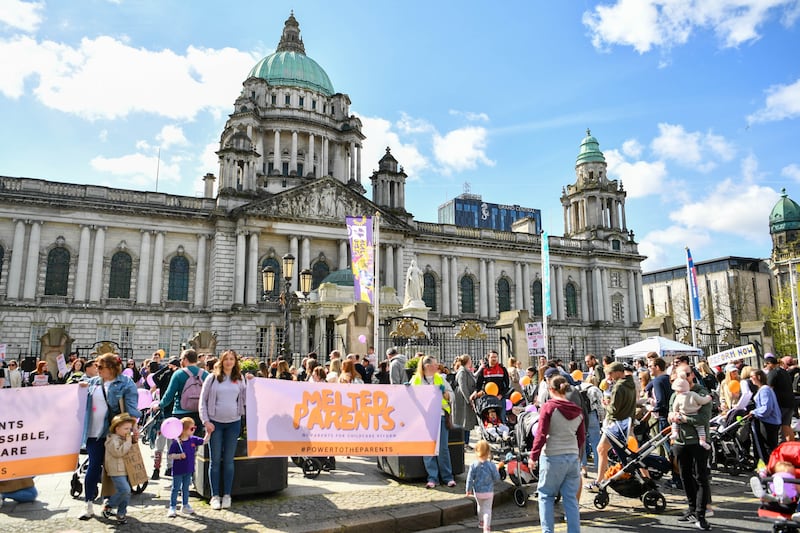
(554, 290)
(320, 337)
(144, 268)
(324, 163)
(293, 250)
(352, 174)
(15, 269)
(639, 296)
(517, 286)
(310, 168)
(96, 289)
(158, 269)
(454, 286)
(253, 271)
(491, 292)
(562, 299)
(304, 261)
(597, 290)
(624, 222)
(303, 347)
(584, 281)
(81, 276)
(388, 270)
(399, 273)
(606, 299)
(239, 266)
(445, 281)
(32, 264)
(483, 300)
(200, 272)
(526, 287)
(293, 154)
(343, 254)
(358, 163)
(276, 148)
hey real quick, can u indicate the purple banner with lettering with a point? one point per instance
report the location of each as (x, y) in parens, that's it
(359, 231)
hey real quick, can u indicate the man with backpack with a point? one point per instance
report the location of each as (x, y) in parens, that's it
(183, 393)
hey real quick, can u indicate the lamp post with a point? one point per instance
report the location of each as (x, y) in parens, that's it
(286, 299)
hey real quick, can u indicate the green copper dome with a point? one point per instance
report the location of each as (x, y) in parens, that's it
(289, 66)
(590, 150)
(785, 215)
(343, 278)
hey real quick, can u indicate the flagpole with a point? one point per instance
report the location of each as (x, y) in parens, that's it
(693, 294)
(545, 291)
(376, 293)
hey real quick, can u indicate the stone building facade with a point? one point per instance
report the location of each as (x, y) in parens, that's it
(147, 270)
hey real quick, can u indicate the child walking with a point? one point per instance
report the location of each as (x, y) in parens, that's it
(480, 482)
(182, 452)
(118, 443)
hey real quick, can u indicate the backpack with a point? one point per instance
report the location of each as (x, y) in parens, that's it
(190, 395)
(580, 398)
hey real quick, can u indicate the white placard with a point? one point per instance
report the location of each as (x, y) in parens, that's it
(62, 364)
(2, 352)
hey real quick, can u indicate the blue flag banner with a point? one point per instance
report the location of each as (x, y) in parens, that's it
(546, 273)
(694, 293)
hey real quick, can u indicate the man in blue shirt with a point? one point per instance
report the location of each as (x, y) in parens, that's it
(172, 397)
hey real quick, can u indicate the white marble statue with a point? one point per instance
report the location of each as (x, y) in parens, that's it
(413, 285)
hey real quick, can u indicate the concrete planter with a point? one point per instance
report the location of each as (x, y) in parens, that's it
(412, 467)
(251, 475)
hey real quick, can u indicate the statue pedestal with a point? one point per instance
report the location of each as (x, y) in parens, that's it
(416, 309)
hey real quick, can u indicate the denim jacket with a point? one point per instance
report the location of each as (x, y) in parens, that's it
(121, 387)
(482, 476)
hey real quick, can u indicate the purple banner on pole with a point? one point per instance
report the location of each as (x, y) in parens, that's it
(359, 232)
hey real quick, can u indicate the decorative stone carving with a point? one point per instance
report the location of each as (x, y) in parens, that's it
(56, 341)
(204, 342)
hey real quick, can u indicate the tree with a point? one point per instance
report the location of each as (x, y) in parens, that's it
(781, 323)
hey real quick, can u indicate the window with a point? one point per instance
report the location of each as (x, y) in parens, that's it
(178, 279)
(55, 282)
(467, 295)
(615, 245)
(37, 332)
(164, 338)
(319, 272)
(313, 104)
(571, 294)
(503, 295)
(617, 309)
(285, 169)
(287, 99)
(429, 290)
(276, 266)
(537, 298)
(302, 101)
(616, 278)
(274, 99)
(119, 284)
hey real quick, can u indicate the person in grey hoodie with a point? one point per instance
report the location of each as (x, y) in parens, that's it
(559, 439)
(397, 367)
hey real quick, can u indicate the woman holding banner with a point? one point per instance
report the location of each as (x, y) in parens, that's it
(41, 376)
(437, 467)
(110, 393)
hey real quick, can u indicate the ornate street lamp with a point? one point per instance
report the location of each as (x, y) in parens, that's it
(287, 298)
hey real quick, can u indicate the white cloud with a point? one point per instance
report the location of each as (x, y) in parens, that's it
(659, 245)
(461, 149)
(410, 125)
(380, 136)
(645, 24)
(138, 169)
(640, 178)
(103, 135)
(104, 78)
(632, 148)
(171, 135)
(209, 160)
(791, 171)
(783, 101)
(692, 149)
(25, 16)
(471, 116)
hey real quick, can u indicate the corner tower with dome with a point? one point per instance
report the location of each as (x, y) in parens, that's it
(784, 228)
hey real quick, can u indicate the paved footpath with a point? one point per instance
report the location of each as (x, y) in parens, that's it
(356, 498)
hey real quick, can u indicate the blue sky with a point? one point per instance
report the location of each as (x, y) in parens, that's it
(696, 104)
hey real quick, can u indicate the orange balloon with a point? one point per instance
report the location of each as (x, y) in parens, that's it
(734, 386)
(525, 381)
(604, 385)
(491, 389)
(515, 397)
(633, 444)
(577, 375)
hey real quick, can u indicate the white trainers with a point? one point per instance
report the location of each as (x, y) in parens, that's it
(756, 487)
(216, 504)
(226, 501)
(187, 509)
(171, 513)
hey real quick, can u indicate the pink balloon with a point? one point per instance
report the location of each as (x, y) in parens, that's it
(172, 427)
(362, 339)
(530, 408)
(128, 372)
(150, 381)
(145, 399)
(509, 405)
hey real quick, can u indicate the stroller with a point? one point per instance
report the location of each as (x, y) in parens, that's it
(625, 476)
(729, 438)
(500, 442)
(516, 463)
(779, 493)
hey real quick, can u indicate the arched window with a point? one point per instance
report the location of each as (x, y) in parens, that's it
(617, 308)
(467, 295)
(571, 295)
(319, 272)
(276, 266)
(503, 295)
(429, 290)
(119, 284)
(55, 281)
(537, 298)
(178, 279)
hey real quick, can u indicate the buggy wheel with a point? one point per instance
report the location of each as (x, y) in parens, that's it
(503, 473)
(138, 489)
(76, 487)
(654, 501)
(733, 468)
(520, 497)
(601, 500)
(311, 467)
(655, 474)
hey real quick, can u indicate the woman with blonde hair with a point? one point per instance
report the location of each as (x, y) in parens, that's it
(334, 371)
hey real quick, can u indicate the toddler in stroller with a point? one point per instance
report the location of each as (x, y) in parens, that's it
(777, 488)
(492, 429)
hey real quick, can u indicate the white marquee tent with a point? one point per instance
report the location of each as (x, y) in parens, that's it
(666, 348)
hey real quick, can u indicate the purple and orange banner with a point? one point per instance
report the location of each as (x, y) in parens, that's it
(34, 438)
(359, 231)
(322, 419)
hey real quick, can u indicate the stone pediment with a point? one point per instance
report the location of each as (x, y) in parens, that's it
(324, 200)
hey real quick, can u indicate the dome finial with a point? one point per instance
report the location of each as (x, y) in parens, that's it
(588, 132)
(783, 192)
(290, 39)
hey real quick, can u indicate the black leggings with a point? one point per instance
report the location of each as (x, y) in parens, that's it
(693, 463)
